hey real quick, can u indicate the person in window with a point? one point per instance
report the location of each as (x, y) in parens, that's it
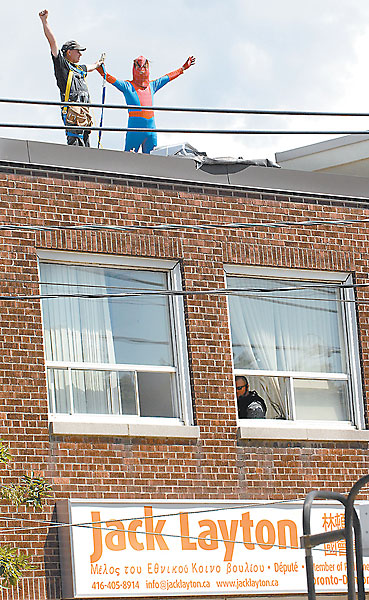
(250, 404)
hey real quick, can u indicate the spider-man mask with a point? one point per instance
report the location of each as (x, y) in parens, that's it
(141, 71)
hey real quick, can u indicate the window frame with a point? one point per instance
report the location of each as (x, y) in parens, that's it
(178, 338)
(351, 346)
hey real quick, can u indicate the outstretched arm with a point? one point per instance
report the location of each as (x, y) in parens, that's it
(189, 62)
(48, 33)
(109, 78)
(95, 65)
(159, 83)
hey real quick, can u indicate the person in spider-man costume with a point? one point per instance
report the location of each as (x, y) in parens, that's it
(140, 92)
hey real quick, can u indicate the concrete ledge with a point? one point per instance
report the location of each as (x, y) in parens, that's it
(164, 431)
(124, 429)
(299, 433)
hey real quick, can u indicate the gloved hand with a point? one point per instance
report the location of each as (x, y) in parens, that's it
(189, 62)
(101, 60)
(109, 78)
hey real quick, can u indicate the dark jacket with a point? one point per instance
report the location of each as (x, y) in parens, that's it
(251, 406)
(78, 90)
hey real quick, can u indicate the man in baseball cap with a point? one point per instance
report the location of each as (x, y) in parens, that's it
(70, 78)
(71, 45)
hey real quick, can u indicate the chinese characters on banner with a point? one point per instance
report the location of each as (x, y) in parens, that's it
(331, 522)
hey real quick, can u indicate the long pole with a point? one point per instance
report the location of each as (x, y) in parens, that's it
(102, 100)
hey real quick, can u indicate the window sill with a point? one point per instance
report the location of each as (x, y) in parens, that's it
(92, 428)
(269, 430)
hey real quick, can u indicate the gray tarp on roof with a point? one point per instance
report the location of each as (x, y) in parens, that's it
(257, 162)
(186, 150)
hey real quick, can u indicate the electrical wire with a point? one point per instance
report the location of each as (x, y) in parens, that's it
(174, 293)
(202, 131)
(262, 293)
(310, 285)
(334, 286)
(236, 505)
(180, 226)
(241, 111)
(314, 286)
(98, 524)
(171, 535)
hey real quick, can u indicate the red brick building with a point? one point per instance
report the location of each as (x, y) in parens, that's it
(133, 398)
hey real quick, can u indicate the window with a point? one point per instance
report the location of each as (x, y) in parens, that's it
(295, 341)
(121, 356)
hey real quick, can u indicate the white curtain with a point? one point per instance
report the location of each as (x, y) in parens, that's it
(254, 347)
(284, 331)
(79, 330)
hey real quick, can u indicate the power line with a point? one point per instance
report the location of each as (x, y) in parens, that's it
(175, 293)
(197, 131)
(136, 291)
(310, 285)
(98, 524)
(262, 293)
(313, 286)
(235, 506)
(180, 226)
(241, 111)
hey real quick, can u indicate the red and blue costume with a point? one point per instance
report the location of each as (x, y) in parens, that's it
(140, 92)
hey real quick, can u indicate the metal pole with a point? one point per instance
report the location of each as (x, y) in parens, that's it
(309, 541)
(102, 101)
(349, 524)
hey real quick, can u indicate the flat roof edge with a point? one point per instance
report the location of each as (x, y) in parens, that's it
(309, 149)
(92, 164)
(92, 175)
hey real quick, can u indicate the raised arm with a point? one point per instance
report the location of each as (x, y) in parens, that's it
(159, 83)
(94, 66)
(189, 62)
(48, 33)
(109, 78)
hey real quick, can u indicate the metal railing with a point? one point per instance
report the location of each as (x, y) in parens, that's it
(354, 551)
(226, 111)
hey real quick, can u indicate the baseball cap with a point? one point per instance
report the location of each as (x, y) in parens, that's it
(72, 45)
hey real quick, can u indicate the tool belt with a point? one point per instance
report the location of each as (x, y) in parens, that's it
(78, 116)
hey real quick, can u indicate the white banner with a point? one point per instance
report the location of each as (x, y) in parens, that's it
(163, 549)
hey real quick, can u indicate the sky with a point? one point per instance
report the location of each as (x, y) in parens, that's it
(285, 55)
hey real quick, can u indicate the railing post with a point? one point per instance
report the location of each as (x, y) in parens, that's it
(309, 541)
(350, 523)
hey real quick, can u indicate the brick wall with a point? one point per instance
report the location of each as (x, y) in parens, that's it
(218, 465)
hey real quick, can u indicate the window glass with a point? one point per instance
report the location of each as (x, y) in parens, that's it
(296, 330)
(156, 386)
(135, 331)
(294, 336)
(275, 393)
(58, 390)
(132, 330)
(321, 399)
(103, 392)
